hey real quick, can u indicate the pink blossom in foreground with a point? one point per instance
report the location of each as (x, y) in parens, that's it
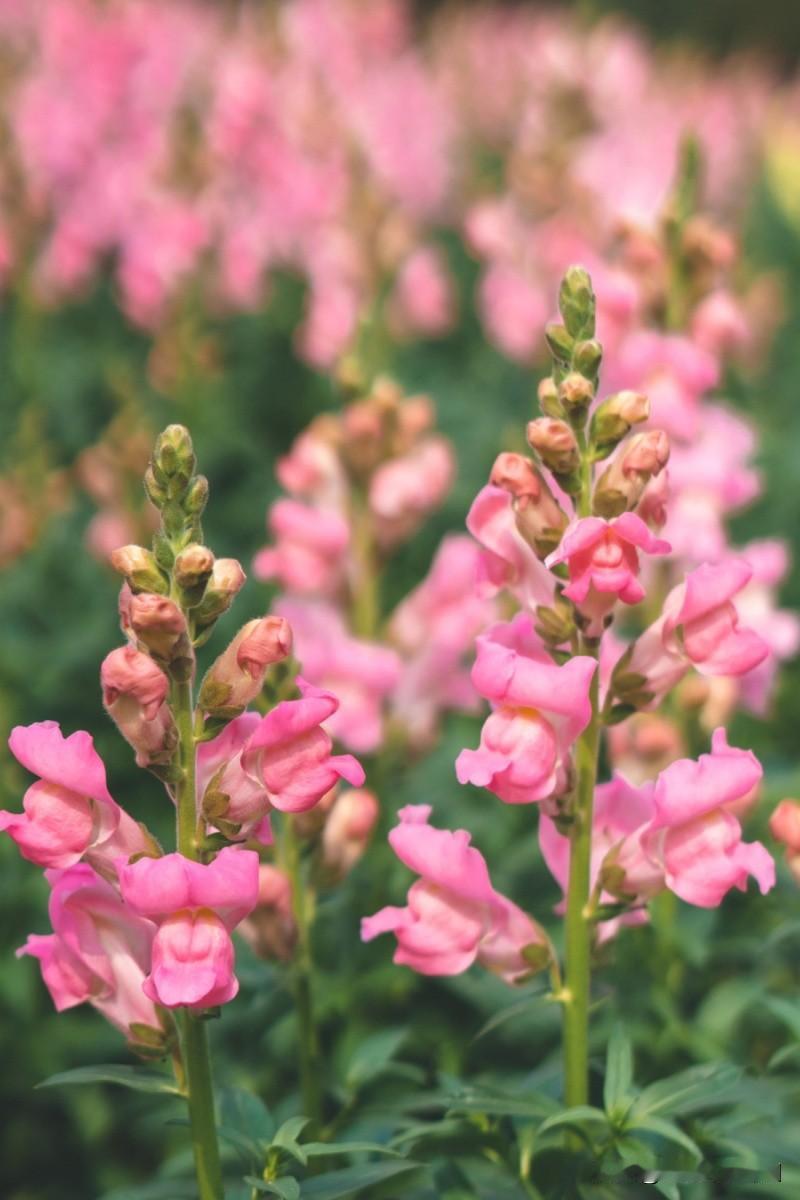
(435, 627)
(225, 790)
(290, 754)
(539, 710)
(603, 561)
(361, 674)
(196, 906)
(699, 627)
(508, 562)
(621, 813)
(68, 813)
(310, 551)
(454, 916)
(99, 950)
(695, 837)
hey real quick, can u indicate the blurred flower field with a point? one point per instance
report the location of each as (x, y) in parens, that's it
(483, 322)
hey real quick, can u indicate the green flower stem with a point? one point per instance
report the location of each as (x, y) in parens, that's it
(578, 925)
(194, 1041)
(365, 593)
(302, 977)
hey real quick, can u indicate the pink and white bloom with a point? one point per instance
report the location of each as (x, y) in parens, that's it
(196, 906)
(603, 561)
(310, 551)
(99, 950)
(454, 916)
(694, 835)
(699, 627)
(508, 562)
(539, 710)
(290, 754)
(69, 812)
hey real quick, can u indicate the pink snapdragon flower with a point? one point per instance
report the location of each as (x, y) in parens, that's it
(196, 906)
(241, 799)
(603, 561)
(757, 608)
(539, 710)
(310, 550)
(235, 678)
(620, 815)
(290, 754)
(695, 837)
(404, 490)
(513, 309)
(699, 627)
(99, 950)
(435, 627)
(361, 674)
(68, 813)
(454, 916)
(508, 562)
(423, 301)
(672, 371)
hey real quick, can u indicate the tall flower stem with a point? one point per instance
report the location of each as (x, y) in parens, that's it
(578, 925)
(302, 972)
(194, 1040)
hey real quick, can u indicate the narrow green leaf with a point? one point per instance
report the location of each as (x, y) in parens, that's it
(245, 1112)
(373, 1056)
(582, 1114)
(287, 1188)
(671, 1133)
(324, 1149)
(693, 1090)
(339, 1184)
(619, 1071)
(131, 1077)
(161, 1189)
(786, 1011)
(493, 1103)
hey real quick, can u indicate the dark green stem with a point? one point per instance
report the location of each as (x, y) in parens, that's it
(302, 979)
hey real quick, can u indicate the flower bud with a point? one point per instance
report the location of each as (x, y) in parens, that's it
(516, 474)
(156, 493)
(613, 420)
(271, 929)
(174, 460)
(560, 344)
(784, 824)
(348, 830)
(575, 392)
(196, 498)
(548, 398)
(622, 484)
(140, 569)
(587, 358)
(555, 625)
(227, 578)
(193, 567)
(555, 444)
(134, 691)
(158, 624)
(576, 302)
(237, 676)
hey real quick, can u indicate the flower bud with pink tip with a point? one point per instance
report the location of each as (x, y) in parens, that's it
(539, 710)
(237, 676)
(290, 754)
(784, 825)
(555, 443)
(699, 627)
(226, 579)
(603, 561)
(694, 835)
(99, 952)
(134, 696)
(69, 813)
(508, 561)
(140, 569)
(196, 906)
(454, 916)
(348, 830)
(623, 482)
(158, 624)
(540, 519)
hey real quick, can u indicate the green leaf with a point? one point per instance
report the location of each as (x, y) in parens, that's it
(286, 1138)
(786, 1011)
(131, 1077)
(619, 1072)
(576, 1118)
(324, 1149)
(164, 1189)
(502, 1104)
(349, 1182)
(373, 1056)
(507, 1014)
(246, 1113)
(287, 1188)
(693, 1090)
(670, 1133)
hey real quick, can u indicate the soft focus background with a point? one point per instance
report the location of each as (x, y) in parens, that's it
(125, 305)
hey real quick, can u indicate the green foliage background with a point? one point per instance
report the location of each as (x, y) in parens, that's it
(697, 986)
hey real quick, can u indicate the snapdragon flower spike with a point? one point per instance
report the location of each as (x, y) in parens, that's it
(699, 627)
(539, 710)
(508, 562)
(290, 754)
(196, 906)
(694, 835)
(69, 812)
(603, 561)
(454, 916)
(99, 950)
